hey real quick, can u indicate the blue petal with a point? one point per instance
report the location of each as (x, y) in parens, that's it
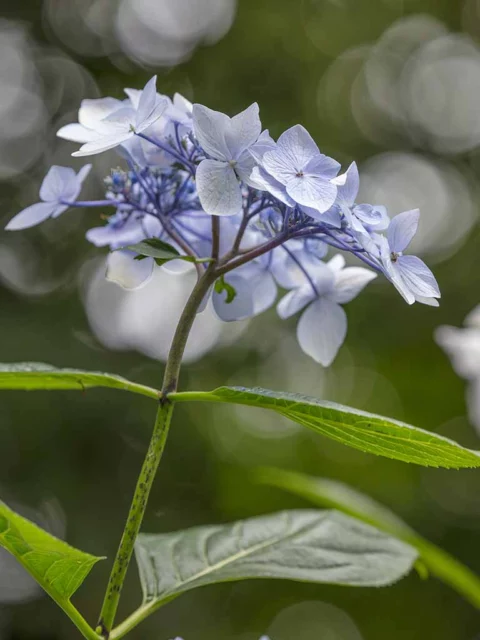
(347, 193)
(311, 191)
(418, 277)
(255, 292)
(402, 229)
(321, 330)
(33, 215)
(56, 183)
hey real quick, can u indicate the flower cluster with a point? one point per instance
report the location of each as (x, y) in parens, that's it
(219, 190)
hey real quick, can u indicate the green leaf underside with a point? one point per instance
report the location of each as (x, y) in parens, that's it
(324, 492)
(59, 568)
(365, 431)
(305, 545)
(31, 376)
(160, 251)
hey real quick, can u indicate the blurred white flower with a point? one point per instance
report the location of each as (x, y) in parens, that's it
(463, 348)
(145, 319)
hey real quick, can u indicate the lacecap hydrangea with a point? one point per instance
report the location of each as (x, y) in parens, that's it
(201, 188)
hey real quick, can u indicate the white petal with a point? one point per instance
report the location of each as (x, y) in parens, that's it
(102, 144)
(473, 403)
(91, 112)
(134, 96)
(350, 282)
(147, 101)
(243, 131)
(264, 143)
(77, 133)
(210, 127)
(463, 348)
(312, 192)
(124, 270)
(56, 183)
(402, 229)
(347, 193)
(321, 330)
(33, 215)
(298, 146)
(336, 263)
(218, 188)
(331, 217)
(294, 301)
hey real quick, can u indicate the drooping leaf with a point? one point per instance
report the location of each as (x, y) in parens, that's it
(312, 546)
(59, 568)
(221, 285)
(365, 431)
(333, 494)
(29, 376)
(160, 251)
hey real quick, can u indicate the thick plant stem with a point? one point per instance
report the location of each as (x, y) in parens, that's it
(174, 362)
(154, 454)
(135, 518)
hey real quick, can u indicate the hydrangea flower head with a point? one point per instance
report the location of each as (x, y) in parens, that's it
(201, 190)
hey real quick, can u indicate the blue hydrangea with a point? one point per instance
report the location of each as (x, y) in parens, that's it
(218, 188)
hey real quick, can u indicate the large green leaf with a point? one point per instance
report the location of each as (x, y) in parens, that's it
(30, 376)
(331, 493)
(59, 568)
(305, 545)
(365, 431)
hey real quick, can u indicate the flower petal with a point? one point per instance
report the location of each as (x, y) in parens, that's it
(312, 191)
(147, 101)
(255, 292)
(321, 330)
(295, 300)
(56, 183)
(323, 166)
(347, 193)
(298, 146)
(103, 143)
(261, 180)
(210, 127)
(350, 282)
(243, 131)
(463, 348)
(91, 112)
(218, 188)
(33, 215)
(402, 229)
(124, 270)
(77, 133)
(418, 277)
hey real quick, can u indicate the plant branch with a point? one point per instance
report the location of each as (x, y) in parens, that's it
(135, 518)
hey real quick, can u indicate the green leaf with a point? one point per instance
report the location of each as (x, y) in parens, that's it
(331, 493)
(222, 285)
(57, 567)
(365, 431)
(30, 376)
(312, 546)
(160, 251)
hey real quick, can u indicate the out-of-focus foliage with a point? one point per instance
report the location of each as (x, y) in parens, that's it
(393, 84)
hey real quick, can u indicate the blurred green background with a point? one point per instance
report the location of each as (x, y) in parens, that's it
(394, 84)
